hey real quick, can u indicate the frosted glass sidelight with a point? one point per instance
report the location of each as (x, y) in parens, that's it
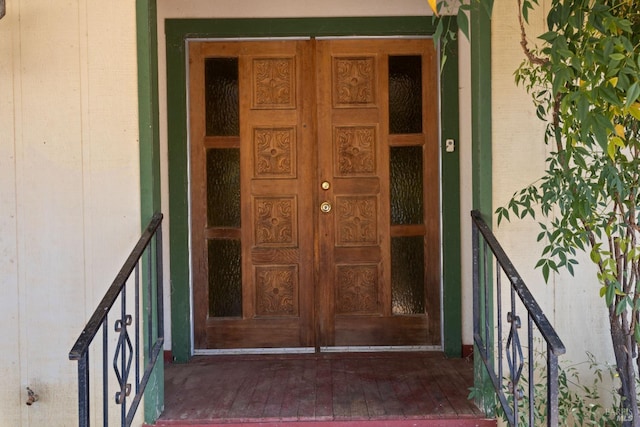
(223, 187)
(407, 275)
(405, 94)
(407, 205)
(221, 97)
(225, 278)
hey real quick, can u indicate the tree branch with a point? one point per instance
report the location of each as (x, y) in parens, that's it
(525, 44)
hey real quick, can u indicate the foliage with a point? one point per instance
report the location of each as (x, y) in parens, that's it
(587, 89)
(579, 402)
(585, 84)
(445, 32)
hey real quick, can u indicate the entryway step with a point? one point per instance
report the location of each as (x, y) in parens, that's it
(450, 422)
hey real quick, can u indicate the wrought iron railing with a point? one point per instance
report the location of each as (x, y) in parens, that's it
(515, 392)
(139, 277)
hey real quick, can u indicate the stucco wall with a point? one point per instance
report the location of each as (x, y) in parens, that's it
(69, 189)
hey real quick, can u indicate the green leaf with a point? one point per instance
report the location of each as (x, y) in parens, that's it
(439, 29)
(502, 213)
(610, 294)
(545, 272)
(622, 306)
(608, 93)
(600, 128)
(613, 145)
(525, 11)
(549, 36)
(583, 106)
(634, 109)
(632, 94)
(463, 22)
(617, 56)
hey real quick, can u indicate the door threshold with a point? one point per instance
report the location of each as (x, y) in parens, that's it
(379, 348)
(232, 351)
(308, 350)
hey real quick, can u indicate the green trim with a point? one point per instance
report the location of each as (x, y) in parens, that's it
(451, 246)
(481, 125)
(178, 193)
(150, 193)
(177, 30)
(482, 162)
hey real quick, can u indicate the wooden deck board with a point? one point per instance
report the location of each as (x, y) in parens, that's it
(316, 387)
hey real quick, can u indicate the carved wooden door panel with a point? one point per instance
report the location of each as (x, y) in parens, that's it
(252, 234)
(314, 193)
(379, 263)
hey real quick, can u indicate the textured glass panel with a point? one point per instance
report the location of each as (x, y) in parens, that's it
(406, 185)
(221, 96)
(223, 187)
(225, 278)
(405, 94)
(407, 275)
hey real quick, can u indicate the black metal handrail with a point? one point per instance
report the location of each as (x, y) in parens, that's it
(509, 390)
(147, 272)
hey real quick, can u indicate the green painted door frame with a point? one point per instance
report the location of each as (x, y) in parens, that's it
(179, 30)
(149, 146)
(481, 128)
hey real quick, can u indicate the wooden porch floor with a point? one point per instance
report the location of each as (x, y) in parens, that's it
(349, 387)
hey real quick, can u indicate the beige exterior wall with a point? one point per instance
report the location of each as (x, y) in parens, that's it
(69, 189)
(571, 303)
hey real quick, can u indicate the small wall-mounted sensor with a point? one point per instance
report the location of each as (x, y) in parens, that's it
(450, 145)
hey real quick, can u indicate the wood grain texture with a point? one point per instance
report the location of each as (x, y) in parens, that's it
(274, 233)
(324, 387)
(313, 112)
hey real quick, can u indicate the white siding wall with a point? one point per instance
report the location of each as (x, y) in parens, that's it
(572, 304)
(69, 189)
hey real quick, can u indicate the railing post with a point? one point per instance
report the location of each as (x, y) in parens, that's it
(475, 240)
(510, 394)
(512, 317)
(159, 281)
(124, 351)
(531, 356)
(105, 373)
(488, 324)
(499, 317)
(552, 388)
(83, 390)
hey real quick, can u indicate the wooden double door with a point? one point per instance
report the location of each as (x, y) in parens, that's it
(314, 177)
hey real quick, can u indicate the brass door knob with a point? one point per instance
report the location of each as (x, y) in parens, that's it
(325, 207)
